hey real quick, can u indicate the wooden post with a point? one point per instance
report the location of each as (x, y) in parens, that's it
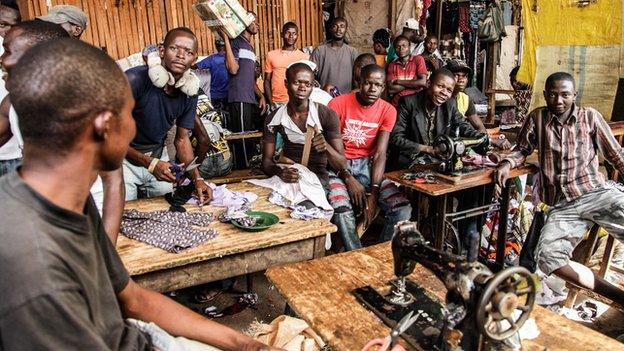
(490, 83)
(439, 19)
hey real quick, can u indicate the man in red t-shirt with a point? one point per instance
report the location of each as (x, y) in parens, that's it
(365, 123)
(407, 74)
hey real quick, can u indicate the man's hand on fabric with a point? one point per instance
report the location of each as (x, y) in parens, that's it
(203, 192)
(289, 175)
(162, 172)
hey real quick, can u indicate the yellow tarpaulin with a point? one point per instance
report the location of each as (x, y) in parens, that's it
(595, 70)
(561, 23)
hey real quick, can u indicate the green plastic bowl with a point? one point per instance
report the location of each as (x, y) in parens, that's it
(264, 220)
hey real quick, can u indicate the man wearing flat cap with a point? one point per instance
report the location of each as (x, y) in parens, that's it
(71, 18)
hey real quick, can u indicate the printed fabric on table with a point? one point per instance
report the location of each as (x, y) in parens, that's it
(171, 231)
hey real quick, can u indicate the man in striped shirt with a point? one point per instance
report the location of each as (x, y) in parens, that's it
(571, 183)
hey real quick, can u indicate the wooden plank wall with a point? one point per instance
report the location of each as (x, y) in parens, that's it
(124, 27)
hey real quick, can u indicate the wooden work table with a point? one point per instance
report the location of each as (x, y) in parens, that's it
(232, 253)
(319, 291)
(484, 177)
(442, 189)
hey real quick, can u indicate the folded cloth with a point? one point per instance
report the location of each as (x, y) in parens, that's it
(171, 231)
(307, 188)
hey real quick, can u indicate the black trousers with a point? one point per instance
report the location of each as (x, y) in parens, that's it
(241, 118)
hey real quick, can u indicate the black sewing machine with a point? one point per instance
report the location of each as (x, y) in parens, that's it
(481, 308)
(450, 151)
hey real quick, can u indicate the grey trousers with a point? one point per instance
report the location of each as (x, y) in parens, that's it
(568, 222)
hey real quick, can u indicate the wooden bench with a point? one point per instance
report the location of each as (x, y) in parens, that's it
(238, 176)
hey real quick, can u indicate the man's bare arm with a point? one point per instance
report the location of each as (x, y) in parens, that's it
(5, 124)
(149, 306)
(419, 82)
(114, 200)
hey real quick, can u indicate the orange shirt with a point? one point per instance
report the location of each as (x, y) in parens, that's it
(276, 63)
(380, 60)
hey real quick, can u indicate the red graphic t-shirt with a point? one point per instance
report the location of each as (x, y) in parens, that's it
(360, 125)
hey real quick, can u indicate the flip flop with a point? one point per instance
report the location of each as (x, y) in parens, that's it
(207, 296)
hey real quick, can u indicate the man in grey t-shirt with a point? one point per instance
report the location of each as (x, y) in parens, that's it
(64, 286)
(335, 58)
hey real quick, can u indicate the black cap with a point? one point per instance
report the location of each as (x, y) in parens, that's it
(456, 65)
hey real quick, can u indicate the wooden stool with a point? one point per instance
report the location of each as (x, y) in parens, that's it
(586, 255)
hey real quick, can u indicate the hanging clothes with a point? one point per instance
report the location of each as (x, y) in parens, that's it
(464, 17)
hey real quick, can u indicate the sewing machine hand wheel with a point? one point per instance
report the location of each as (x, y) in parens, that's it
(444, 147)
(509, 290)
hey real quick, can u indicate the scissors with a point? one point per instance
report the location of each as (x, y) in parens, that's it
(180, 172)
(389, 342)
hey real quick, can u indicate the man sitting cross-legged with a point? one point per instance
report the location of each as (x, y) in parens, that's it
(571, 182)
(64, 286)
(292, 122)
(366, 122)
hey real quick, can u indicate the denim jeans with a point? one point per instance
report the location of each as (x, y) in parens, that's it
(392, 203)
(139, 182)
(7, 166)
(163, 341)
(214, 165)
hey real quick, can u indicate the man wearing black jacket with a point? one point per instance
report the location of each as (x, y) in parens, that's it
(421, 118)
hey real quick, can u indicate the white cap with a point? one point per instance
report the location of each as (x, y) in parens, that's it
(307, 62)
(412, 23)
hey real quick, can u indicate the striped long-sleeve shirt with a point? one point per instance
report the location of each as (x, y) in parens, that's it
(569, 159)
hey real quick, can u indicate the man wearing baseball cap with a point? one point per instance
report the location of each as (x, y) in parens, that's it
(416, 35)
(71, 18)
(462, 73)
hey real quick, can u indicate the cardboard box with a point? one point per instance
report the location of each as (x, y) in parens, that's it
(227, 14)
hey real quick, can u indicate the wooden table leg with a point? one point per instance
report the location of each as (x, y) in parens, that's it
(319, 246)
(440, 225)
(501, 238)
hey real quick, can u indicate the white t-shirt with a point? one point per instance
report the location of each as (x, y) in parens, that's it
(12, 149)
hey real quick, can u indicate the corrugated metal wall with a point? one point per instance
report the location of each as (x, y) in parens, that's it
(124, 27)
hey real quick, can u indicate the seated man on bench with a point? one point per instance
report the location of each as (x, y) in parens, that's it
(64, 285)
(165, 94)
(366, 122)
(421, 118)
(292, 122)
(568, 138)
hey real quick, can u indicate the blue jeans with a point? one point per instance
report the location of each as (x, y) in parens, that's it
(7, 166)
(392, 203)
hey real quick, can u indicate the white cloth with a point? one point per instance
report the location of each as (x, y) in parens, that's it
(224, 197)
(320, 96)
(307, 188)
(294, 134)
